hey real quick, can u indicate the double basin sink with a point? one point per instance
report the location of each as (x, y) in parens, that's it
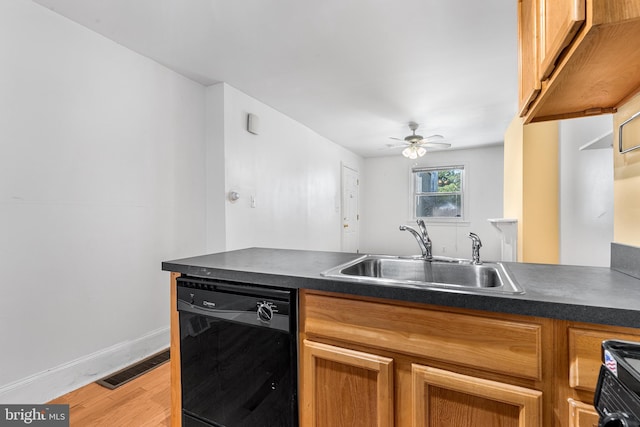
(439, 273)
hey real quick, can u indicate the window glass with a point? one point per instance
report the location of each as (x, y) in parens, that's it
(438, 192)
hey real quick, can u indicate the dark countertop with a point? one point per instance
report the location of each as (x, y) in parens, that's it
(584, 294)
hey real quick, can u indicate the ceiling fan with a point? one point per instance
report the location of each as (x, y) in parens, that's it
(416, 145)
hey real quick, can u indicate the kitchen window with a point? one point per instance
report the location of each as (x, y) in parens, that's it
(438, 193)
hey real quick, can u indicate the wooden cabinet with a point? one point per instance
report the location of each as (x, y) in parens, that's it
(559, 23)
(176, 388)
(441, 366)
(586, 60)
(545, 29)
(345, 388)
(530, 83)
(499, 344)
(436, 367)
(445, 398)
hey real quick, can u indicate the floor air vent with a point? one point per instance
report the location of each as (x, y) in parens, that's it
(134, 371)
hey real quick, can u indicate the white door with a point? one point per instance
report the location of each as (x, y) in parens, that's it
(350, 216)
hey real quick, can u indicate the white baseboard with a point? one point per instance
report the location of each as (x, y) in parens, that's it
(47, 385)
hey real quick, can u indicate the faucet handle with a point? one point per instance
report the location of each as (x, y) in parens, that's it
(476, 240)
(423, 228)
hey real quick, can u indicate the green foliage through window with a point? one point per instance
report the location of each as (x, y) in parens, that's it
(449, 181)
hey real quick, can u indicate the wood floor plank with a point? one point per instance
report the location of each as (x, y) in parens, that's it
(143, 402)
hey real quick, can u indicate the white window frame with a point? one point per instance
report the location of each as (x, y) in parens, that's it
(464, 193)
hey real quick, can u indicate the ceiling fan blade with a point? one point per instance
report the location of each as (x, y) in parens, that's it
(392, 146)
(415, 141)
(435, 144)
(433, 138)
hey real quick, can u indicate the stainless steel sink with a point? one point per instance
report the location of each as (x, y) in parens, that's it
(417, 273)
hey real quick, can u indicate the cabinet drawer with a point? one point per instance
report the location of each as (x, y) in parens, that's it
(585, 355)
(500, 345)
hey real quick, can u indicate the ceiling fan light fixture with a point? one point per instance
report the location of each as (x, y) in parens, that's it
(408, 152)
(413, 152)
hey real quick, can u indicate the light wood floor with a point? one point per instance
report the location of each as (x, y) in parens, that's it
(143, 402)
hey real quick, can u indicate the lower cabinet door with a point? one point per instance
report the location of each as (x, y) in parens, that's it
(345, 388)
(443, 398)
(582, 415)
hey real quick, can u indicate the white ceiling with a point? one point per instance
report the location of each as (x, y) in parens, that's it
(354, 71)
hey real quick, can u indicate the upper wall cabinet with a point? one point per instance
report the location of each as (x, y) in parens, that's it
(559, 23)
(528, 53)
(577, 57)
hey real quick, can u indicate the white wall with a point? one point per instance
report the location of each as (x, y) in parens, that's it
(110, 163)
(292, 174)
(387, 204)
(101, 179)
(216, 216)
(586, 193)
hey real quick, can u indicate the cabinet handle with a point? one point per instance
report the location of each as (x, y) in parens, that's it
(626, 122)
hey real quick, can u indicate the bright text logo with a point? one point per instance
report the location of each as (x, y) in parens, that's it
(36, 415)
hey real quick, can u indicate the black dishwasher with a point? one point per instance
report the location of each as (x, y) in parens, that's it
(237, 354)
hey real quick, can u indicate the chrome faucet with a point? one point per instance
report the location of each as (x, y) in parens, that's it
(422, 237)
(476, 244)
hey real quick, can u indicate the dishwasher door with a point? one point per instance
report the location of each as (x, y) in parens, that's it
(238, 355)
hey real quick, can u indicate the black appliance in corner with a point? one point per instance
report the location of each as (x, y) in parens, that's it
(238, 352)
(617, 397)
